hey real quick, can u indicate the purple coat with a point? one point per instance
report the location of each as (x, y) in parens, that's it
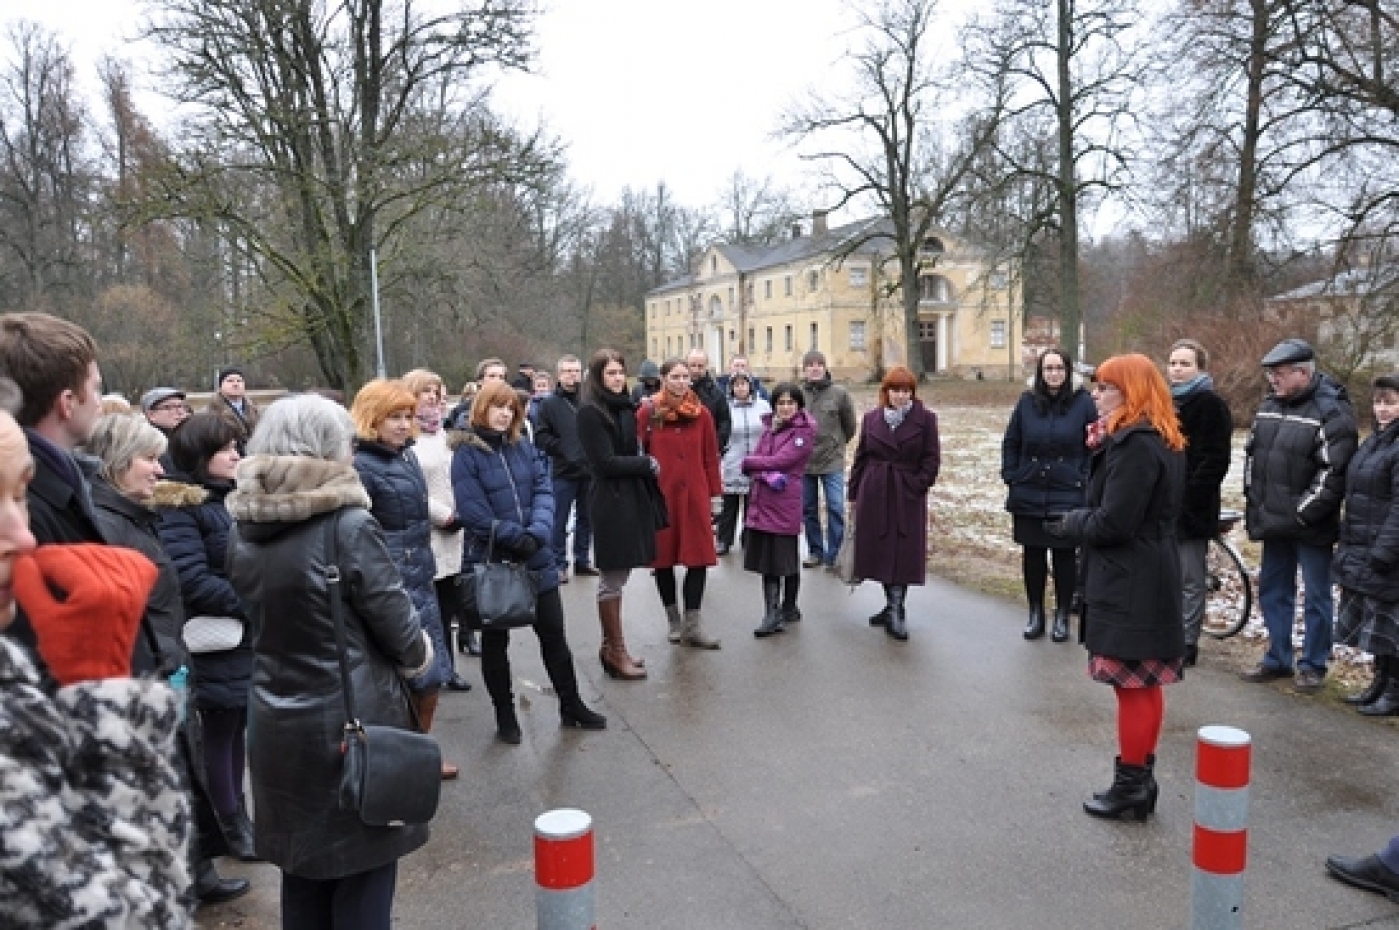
(786, 450)
(889, 485)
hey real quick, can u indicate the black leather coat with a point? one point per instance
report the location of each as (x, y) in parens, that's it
(296, 713)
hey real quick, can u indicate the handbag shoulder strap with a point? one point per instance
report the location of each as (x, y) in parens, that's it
(337, 615)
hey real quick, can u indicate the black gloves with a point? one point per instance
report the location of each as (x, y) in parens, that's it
(525, 547)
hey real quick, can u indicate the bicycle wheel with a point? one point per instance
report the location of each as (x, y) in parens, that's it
(1228, 591)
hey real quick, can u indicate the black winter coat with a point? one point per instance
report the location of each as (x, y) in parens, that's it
(623, 493)
(504, 485)
(1209, 433)
(1295, 465)
(399, 503)
(717, 403)
(126, 523)
(556, 434)
(1131, 566)
(277, 561)
(194, 525)
(1367, 559)
(1044, 454)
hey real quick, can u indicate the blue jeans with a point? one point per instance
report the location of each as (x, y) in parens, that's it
(1277, 597)
(572, 493)
(833, 486)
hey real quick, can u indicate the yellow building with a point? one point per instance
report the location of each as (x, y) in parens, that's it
(831, 290)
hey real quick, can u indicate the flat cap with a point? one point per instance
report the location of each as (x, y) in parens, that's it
(1289, 352)
(157, 395)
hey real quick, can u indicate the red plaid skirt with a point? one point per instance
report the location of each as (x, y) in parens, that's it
(1135, 673)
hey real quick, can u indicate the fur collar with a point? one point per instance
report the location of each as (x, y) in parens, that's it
(174, 494)
(456, 438)
(293, 488)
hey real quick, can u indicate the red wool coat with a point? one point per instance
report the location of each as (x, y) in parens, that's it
(688, 451)
(889, 485)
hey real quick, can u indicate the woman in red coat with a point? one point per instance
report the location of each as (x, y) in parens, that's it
(896, 462)
(678, 432)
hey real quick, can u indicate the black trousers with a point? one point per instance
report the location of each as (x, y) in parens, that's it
(356, 902)
(553, 649)
(727, 528)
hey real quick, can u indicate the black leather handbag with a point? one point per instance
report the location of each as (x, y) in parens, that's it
(390, 777)
(497, 595)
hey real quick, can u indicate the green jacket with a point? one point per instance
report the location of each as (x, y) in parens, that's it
(830, 406)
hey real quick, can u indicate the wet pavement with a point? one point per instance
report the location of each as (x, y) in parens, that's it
(831, 777)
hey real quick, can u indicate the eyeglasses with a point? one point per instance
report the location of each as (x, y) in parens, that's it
(162, 408)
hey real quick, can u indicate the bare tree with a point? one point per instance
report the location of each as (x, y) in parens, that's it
(881, 143)
(755, 211)
(321, 131)
(1076, 63)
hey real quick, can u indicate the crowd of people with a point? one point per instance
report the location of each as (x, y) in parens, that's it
(215, 540)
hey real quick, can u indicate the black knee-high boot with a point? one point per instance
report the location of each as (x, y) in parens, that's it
(772, 607)
(896, 626)
(790, 586)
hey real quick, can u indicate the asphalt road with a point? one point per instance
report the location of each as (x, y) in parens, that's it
(831, 778)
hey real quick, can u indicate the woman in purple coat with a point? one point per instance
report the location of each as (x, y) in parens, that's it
(774, 519)
(896, 462)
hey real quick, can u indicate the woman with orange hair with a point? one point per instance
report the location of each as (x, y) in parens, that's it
(1131, 619)
(385, 418)
(896, 462)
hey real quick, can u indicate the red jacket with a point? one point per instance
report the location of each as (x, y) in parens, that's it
(688, 451)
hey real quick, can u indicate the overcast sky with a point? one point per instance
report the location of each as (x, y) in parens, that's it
(640, 90)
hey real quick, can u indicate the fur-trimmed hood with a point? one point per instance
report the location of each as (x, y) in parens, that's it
(173, 494)
(293, 488)
(456, 438)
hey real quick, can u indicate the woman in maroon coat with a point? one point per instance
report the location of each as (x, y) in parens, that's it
(774, 520)
(896, 462)
(678, 432)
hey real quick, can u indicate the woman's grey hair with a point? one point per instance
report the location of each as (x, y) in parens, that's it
(10, 397)
(304, 424)
(120, 439)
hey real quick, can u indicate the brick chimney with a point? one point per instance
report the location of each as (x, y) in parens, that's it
(818, 222)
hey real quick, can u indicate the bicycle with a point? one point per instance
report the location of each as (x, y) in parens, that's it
(1228, 589)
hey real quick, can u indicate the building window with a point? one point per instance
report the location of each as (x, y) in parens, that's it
(787, 342)
(787, 286)
(935, 288)
(655, 344)
(732, 335)
(813, 280)
(859, 276)
(998, 334)
(667, 346)
(767, 289)
(713, 264)
(928, 330)
(752, 344)
(731, 298)
(815, 336)
(769, 340)
(857, 335)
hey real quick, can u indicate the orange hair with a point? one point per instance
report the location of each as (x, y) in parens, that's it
(375, 401)
(498, 394)
(897, 378)
(1145, 396)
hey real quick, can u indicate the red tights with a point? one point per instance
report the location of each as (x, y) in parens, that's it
(1139, 715)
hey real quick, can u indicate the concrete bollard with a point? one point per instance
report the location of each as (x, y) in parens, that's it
(563, 870)
(1222, 761)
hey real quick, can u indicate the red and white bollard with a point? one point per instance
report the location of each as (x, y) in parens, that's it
(1222, 762)
(563, 870)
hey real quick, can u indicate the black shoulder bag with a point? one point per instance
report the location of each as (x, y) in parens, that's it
(391, 777)
(497, 595)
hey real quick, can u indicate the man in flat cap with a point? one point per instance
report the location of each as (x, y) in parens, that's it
(1294, 480)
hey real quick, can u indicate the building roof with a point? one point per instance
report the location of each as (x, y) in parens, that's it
(749, 258)
(1356, 282)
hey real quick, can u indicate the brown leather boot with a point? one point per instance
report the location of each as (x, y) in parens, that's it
(426, 704)
(615, 660)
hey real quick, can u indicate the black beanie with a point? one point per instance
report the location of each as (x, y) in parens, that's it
(225, 372)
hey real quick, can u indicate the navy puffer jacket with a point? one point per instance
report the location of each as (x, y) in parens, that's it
(194, 527)
(505, 485)
(1044, 454)
(1367, 560)
(399, 503)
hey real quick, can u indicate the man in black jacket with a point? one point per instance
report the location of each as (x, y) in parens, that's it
(1294, 481)
(710, 395)
(556, 433)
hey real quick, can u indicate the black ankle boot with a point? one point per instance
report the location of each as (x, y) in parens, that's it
(237, 829)
(212, 888)
(507, 726)
(574, 713)
(1034, 629)
(1060, 634)
(1387, 704)
(1152, 788)
(1378, 681)
(1133, 792)
(881, 618)
(896, 627)
(772, 614)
